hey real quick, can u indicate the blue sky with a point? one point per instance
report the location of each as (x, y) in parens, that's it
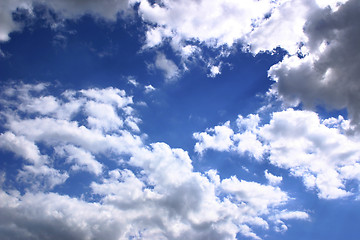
(179, 119)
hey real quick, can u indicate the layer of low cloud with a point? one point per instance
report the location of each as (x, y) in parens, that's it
(150, 192)
(316, 150)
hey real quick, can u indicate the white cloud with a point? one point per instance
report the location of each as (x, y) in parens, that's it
(57, 130)
(298, 141)
(102, 116)
(284, 27)
(167, 66)
(214, 71)
(279, 218)
(161, 197)
(220, 139)
(41, 177)
(149, 88)
(223, 138)
(261, 197)
(110, 95)
(285, 215)
(318, 151)
(133, 81)
(80, 159)
(273, 180)
(212, 22)
(22, 147)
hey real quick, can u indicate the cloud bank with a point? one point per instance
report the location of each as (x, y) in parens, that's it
(151, 192)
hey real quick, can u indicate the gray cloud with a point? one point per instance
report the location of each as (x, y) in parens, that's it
(107, 9)
(328, 74)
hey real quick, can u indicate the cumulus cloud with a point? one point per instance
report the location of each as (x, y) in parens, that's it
(224, 138)
(56, 128)
(153, 192)
(212, 22)
(80, 159)
(328, 72)
(220, 140)
(316, 150)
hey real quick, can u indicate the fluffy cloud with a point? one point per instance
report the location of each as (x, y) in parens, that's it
(223, 138)
(152, 192)
(220, 140)
(328, 72)
(273, 180)
(212, 22)
(316, 150)
(80, 159)
(56, 128)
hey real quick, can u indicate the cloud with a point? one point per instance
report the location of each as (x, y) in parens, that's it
(149, 88)
(272, 179)
(132, 81)
(316, 150)
(220, 140)
(80, 159)
(328, 72)
(7, 24)
(212, 22)
(148, 191)
(108, 9)
(283, 28)
(21, 147)
(286, 215)
(223, 138)
(167, 66)
(298, 141)
(214, 71)
(56, 128)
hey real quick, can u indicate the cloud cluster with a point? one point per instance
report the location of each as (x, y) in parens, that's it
(223, 138)
(317, 150)
(213, 22)
(56, 127)
(328, 72)
(151, 192)
(108, 9)
(320, 37)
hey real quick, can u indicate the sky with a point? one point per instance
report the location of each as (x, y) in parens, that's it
(192, 119)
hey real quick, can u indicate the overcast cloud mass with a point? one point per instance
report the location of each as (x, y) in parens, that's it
(184, 119)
